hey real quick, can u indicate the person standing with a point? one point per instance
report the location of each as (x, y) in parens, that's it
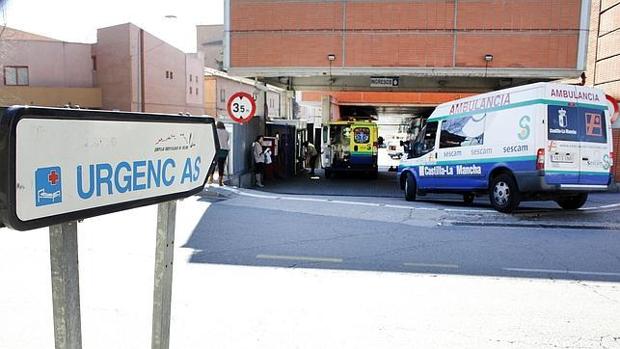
(224, 139)
(259, 160)
(312, 155)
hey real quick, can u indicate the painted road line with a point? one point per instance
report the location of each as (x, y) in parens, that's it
(397, 206)
(431, 265)
(554, 271)
(300, 258)
(302, 199)
(467, 210)
(358, 203)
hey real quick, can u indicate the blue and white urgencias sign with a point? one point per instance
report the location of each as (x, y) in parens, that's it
(60, 164)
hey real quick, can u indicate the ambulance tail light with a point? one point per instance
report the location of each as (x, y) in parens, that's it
(540, 159)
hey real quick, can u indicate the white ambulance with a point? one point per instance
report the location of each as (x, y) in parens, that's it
(544, 141)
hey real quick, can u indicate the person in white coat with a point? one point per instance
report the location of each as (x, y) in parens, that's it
(259, 160)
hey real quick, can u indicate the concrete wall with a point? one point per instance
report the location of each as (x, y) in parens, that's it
(390, 33)
(126, 54)
(85, 97)
(210, 41)
(50, 63)
(210, 95)
(194, 77)
(386, 98)
(114, 67)
(224, 88)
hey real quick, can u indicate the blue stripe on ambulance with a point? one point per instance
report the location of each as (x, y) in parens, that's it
(361, 159)
(453, 180)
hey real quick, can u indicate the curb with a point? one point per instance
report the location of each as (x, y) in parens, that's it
(536, 225)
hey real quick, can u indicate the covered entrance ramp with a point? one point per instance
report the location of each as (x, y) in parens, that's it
(399, 57)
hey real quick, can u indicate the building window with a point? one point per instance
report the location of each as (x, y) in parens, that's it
(94, 58)
(16, 76)
(190, 78)
(222, 95)
(167, 74)
(196, 91)
(190, 90)
(171, 76)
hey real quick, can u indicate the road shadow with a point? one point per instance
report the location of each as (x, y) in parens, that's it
(257, 236)
(339, 184)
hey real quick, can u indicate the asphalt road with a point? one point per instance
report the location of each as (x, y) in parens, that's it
(428, 237)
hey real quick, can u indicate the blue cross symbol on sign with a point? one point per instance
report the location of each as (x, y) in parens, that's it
(48, 185)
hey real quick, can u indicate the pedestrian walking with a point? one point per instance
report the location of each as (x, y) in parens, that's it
(259, 160)
(311, 156)
(224, 138)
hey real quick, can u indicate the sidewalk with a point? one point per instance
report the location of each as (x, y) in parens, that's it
(216, 306)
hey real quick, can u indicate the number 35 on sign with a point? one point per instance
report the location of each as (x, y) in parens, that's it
(241, 107)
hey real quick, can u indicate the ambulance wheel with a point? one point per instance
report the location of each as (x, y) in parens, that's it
(469, 198)
(504, 193)
(411, 187)
(572, 202)
(374, 174)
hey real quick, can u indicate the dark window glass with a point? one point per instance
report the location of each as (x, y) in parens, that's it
(594, 125)
(16, 76)
(427, 137)
(465, 131)
(361, 134)
(576, 124)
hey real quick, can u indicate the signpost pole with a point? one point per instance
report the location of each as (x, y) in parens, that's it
(65, 286)
(162, 290)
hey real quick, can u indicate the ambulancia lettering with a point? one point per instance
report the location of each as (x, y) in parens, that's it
(588, 96)
(480, 103)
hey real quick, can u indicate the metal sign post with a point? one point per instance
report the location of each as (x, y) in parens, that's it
(58, 166)
(162, 289)
(65, 286)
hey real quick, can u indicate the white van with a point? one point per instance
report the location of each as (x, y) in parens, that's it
(544, 141)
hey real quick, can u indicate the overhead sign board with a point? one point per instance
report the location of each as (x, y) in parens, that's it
(58, 165)
(385, 81)
(241, 107)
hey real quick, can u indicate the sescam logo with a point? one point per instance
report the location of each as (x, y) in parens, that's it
(524, 124)
(606, 162)
(48, 186)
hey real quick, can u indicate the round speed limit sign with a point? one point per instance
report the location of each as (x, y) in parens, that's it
(241, 107)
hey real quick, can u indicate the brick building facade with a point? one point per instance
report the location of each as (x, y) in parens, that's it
(522, 36)
(603, 69)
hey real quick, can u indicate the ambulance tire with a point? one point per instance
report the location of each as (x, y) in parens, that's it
(504, 193)
(411, 187)
(374, 174)
(572, 202)
(468, 199)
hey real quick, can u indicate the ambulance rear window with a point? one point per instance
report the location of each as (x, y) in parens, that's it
(576, 124)
(361, 134)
